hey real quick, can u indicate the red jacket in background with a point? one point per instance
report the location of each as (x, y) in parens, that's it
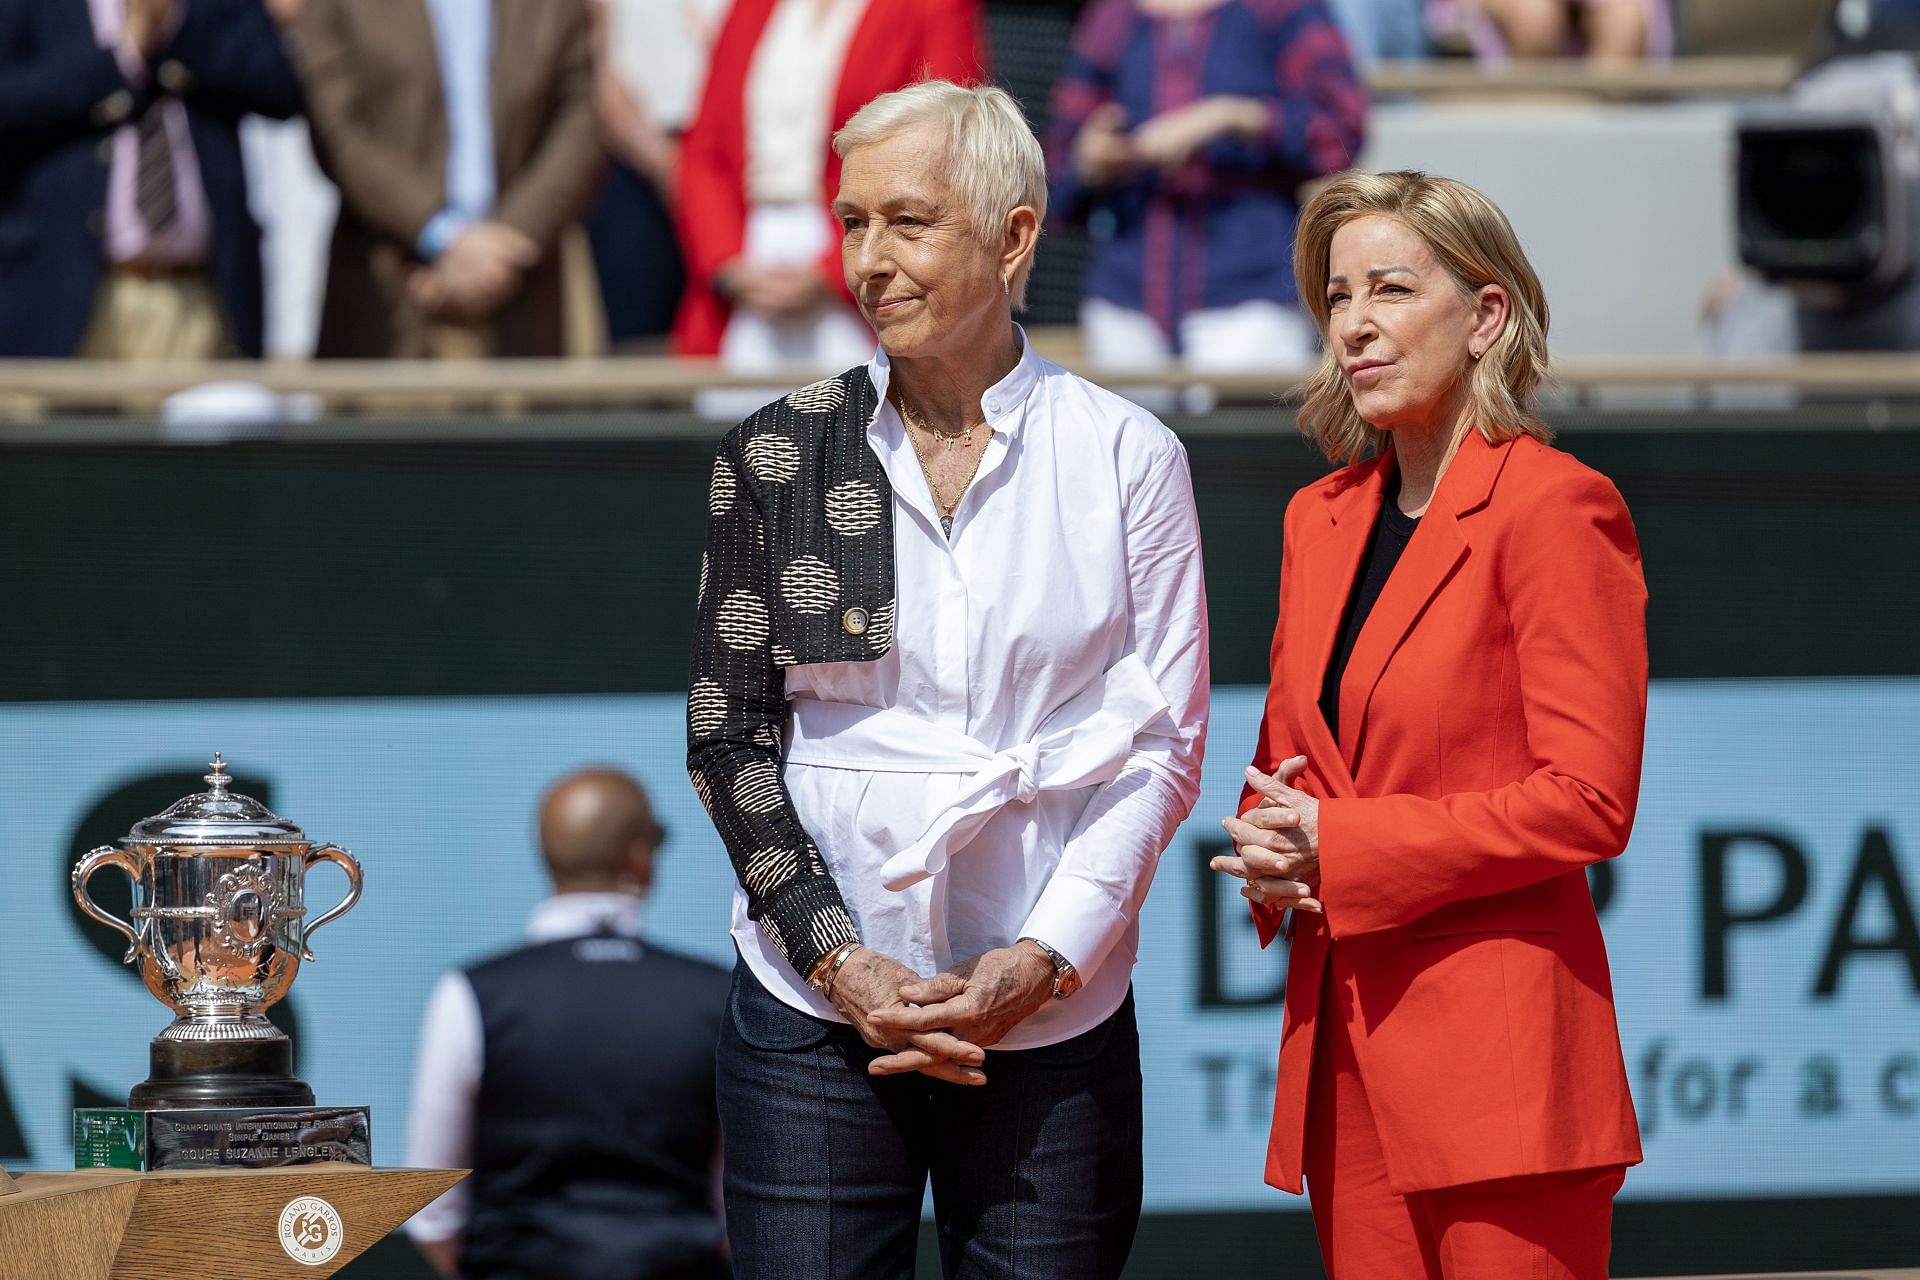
(897, 43)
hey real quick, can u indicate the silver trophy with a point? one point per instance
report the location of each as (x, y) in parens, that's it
(219, 929)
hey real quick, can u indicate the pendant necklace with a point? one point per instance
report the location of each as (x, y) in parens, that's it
(943, 507)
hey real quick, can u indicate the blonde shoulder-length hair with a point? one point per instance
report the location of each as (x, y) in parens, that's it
(1475, 244)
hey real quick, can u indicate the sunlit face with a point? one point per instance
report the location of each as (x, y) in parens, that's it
(1399, 325)
(923, 279)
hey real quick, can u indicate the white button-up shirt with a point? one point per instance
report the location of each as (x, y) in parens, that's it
(1015, 763)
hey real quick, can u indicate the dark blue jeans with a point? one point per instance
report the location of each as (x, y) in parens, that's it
(1036, 1174)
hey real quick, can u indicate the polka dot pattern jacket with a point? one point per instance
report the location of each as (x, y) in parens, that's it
(798, 569)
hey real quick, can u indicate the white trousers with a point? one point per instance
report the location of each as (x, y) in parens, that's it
(1252, 337)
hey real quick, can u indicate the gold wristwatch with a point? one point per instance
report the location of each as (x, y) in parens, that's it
(1066, 978)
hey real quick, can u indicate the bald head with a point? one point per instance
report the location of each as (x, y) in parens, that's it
(597, 833)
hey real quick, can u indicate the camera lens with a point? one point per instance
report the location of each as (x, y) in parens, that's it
(1810, 202)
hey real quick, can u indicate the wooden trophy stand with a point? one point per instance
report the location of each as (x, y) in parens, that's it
(239, 1224)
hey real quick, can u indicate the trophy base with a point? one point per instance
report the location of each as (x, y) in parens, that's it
(220, 1073)
(221, 1138)
(239, 1224)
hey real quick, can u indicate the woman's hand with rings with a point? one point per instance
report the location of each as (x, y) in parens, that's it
(1276, 845)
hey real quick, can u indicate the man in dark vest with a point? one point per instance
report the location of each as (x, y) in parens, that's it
(575, 1075)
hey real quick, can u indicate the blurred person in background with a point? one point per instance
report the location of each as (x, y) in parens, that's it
(1453, 735)
(574, 1075)
(949, 704)
(463, 138)
(1604, 30)
(295, 205)
(1384, 30)
(764, 285)
(124, 230)
(650, 61)
(1182, 132)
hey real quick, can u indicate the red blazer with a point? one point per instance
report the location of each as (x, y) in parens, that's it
(897, 43)
(1491, 721)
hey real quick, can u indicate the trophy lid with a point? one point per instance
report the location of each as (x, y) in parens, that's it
(217, 817)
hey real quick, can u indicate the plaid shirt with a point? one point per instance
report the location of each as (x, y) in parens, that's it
(1220, 231)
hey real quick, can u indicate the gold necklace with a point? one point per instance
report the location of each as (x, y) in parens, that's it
(943, 507)
(951, 439)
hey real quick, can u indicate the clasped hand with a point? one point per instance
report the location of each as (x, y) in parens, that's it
(1276, 844)
(941, 1026)
(1105, 152)
(477, 272)
(777, 292)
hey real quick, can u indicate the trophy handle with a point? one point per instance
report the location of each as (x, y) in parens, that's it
(346, 862)
(107, 856)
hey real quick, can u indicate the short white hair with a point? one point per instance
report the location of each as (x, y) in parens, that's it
(994, 162)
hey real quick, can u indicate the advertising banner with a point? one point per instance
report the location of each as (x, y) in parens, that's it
(1762, 925)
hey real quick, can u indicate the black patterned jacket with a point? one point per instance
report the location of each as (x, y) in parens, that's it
(798, 568)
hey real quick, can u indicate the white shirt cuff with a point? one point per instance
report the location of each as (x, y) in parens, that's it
(1079, 920)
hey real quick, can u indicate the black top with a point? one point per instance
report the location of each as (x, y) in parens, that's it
(595, 1126)
(1392, 530)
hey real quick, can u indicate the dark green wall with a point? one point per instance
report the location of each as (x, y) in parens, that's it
(282, 570)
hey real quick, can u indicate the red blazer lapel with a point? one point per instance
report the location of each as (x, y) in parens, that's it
(1436, 551)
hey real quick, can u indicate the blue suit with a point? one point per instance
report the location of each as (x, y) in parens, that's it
(61, 98)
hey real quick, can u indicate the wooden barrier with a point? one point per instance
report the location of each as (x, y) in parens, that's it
(1712, 77)
(43, 392)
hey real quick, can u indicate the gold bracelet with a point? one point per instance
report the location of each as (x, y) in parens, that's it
(829, 970)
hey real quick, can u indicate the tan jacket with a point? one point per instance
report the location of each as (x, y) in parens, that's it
(374, 97)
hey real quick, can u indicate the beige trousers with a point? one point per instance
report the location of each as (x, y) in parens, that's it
(138, 317)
